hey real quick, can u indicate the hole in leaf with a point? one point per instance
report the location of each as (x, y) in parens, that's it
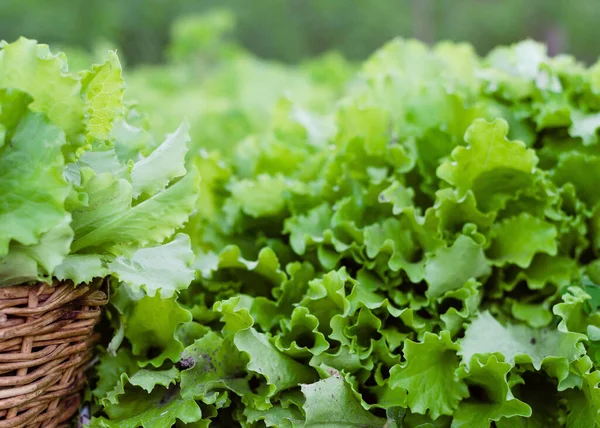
(305, 340)
(153, 352)
(419, 288)
(479, 393)
(450, 302)
(587, 256)
(254, 384)
(423, 313)
(364, 334)
(398, 325)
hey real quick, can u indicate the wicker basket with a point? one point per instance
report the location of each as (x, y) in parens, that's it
(46, 342)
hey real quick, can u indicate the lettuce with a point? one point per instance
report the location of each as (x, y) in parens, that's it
(70, 208)
(419, 252)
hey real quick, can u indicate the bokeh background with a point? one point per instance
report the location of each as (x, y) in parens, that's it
(230, 66)
(290, 30)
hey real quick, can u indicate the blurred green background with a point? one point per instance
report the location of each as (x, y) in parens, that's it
(289, 30)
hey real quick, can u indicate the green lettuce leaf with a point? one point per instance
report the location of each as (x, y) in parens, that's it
(520, 344)
(281, 372)
(330, 403)
(490, 398)
(150, 334)
(34, 191)
(491, 166)
(33, 69)
(429, 375)
(103, 87)
(163, 269)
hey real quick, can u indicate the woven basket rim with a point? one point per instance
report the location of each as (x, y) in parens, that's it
(46, 343)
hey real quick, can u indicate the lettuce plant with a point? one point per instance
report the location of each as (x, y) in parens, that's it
(77, 198)
(421, 254)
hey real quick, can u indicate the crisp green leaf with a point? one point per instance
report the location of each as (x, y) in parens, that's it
(492, 166)
(429, 375)
(280, 371)
(81, 268)
(518, 239)
(33, 189)
(32, 68)
(449, 268)
(490, 396)
(26, 263)
(162, 269)
(103, 92)
(214, 363)
(147, 331)
(331, 404)
(159, 409)
(153, 173)
(518, 344)
(110, 216)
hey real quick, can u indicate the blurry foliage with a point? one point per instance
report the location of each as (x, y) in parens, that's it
(224, 91)
(290, 30)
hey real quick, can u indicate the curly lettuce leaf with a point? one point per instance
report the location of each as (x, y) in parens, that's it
(151, 334)
(163, 269)
(167, 162)
(280, 371)
(429, 375)
(330, 403)
(34, 191)
(111, 215)
(519, 344)
(518, 239)
(491, 166)
(31, 68)
(490, 398)
(213, 363)
(103, 88)
(38, 262)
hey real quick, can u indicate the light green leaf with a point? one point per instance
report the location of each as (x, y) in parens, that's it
(39, 261)
(494, 400)
(429, 375)
(520, 343)
(518, 239)
(153, 173)
(81, 268)
(330, 403)
(153, 323)
(574, 310)
(235, 313)
(148, 379)
(32, 68)
(110, 217)
(280, 371)
(162, 269)
(492, 166)
(585, 126)
(449, 268)
(276, 416)
(103, 88)
(399, 196)
(262, 197)
(159, 409)
(33, 191)
(215, 363)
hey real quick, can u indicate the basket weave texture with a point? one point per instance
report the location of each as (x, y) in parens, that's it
(46, 342)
